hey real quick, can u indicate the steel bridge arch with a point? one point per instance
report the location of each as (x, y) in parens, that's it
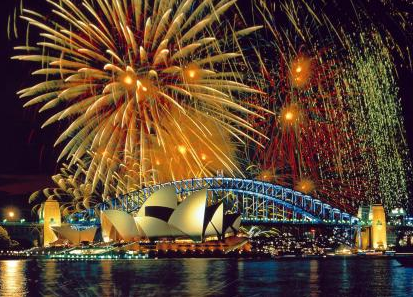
(257, 201)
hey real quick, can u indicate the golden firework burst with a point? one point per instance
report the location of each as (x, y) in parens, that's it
(305, 186)
(123, 72)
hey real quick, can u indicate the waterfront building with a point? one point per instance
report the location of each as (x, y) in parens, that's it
(161, 216)
(73, 235)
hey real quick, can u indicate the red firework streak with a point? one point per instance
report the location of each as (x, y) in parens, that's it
(312, 145)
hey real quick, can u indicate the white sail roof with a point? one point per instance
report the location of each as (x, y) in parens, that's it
(153, 228)
(189, 215)
(160, 216)
(75, 236)
(107, 229)
(165, 197)
(237, 223)
(122, 222)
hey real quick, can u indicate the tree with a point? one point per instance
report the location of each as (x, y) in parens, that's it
(5, 240)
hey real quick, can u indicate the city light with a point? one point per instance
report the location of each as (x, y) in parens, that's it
(10, 214)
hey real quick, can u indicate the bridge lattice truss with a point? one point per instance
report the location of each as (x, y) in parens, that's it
(257, 201)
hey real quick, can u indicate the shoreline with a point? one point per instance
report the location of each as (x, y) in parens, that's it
(246, 257)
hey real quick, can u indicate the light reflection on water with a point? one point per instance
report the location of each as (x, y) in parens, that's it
(12, 277)
(313, 279)
(206, 277)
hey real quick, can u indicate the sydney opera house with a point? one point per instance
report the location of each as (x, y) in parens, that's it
(161, 218)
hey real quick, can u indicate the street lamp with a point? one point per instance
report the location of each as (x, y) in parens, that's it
(10, 214)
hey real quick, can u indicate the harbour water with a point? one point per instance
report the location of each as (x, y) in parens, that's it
(337, 276)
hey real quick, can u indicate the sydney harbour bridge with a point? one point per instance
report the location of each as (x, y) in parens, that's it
(259, 202)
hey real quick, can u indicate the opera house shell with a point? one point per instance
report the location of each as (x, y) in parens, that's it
(75, 236)
(161, 216)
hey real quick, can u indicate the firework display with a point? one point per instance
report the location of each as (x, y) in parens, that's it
(337, 132)
(151, 90)
(73, 193)
(377, 121)
(154, 91)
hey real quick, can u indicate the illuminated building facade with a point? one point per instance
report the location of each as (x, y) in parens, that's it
(378, 227)
(75, 236)
(161, 216)
(373, 233)
(50, 214)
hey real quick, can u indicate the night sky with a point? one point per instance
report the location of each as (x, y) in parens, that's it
(27, 157)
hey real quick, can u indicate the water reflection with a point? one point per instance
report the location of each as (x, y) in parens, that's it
(314, 279)
(206, 277)
(12, 282)
(401, 279)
